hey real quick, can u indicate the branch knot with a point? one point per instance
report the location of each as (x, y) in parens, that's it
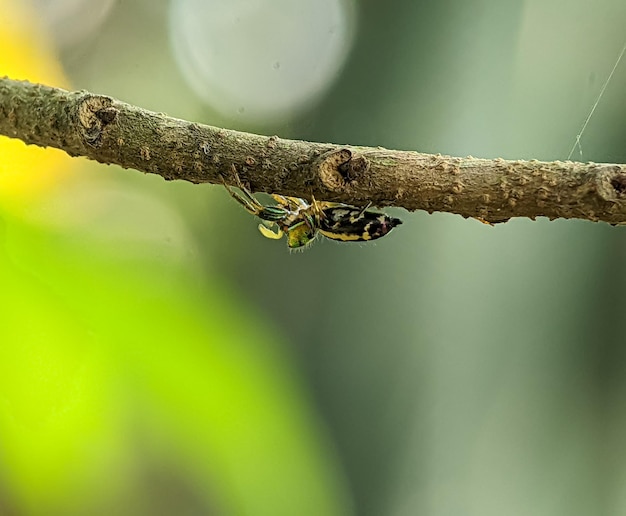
(338, 168)
(95, 113)
(611, 183)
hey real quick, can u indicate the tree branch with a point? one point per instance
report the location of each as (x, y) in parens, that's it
(112, 132)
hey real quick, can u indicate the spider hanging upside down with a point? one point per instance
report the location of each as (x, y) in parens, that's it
(302, 221)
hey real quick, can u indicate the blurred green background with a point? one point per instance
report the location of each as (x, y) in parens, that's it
(159, 356)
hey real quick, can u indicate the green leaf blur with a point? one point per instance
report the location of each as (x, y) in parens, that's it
(113, 366)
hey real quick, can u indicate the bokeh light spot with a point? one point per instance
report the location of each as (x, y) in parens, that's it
(223, 50)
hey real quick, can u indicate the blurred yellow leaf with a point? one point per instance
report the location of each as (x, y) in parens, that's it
(27, 54)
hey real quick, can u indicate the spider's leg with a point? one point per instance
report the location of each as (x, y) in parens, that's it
(246, 192)
(282, 200)
(365, 208)
(244, 189)
(247, 201)
(272, 230)
(322, 205)
(300, 203)
(292, 203)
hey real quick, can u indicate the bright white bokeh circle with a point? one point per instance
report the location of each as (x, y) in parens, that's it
(261, 60)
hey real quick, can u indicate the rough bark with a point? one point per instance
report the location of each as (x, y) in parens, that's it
(495, 190)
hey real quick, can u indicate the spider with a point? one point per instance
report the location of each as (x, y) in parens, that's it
(301, 221)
